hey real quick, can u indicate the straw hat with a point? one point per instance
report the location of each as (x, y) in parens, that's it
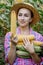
(36, 16)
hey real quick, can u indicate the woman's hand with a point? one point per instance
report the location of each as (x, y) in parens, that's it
(13, 39)
(28, 46)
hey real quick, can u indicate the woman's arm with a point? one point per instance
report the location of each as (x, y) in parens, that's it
(10, 51)
(30, 48)
(35, 57)
(12, 54)
(38, 37)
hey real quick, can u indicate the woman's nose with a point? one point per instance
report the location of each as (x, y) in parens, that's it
(22, 17)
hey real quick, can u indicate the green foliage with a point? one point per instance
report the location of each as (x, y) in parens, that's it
(2, 61)
(38, 4)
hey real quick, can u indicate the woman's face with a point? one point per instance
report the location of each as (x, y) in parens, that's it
(24, 17)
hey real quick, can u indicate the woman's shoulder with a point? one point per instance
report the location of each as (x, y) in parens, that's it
(7, 40)
(8, 35)
(37, 35)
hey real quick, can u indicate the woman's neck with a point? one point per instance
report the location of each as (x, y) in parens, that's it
(25, 30)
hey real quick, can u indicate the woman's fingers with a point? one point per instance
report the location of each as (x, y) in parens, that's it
(13, 39)
(11, 36)
(28, 46)
(26, 41)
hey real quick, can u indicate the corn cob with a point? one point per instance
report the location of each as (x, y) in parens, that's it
(38, 43)
(21, 37)
(21, 48)
(30, 37)
(22, 53)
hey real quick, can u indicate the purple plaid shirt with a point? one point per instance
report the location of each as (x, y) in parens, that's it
(21, 61)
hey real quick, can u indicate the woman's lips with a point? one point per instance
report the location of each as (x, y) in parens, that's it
(22, 22)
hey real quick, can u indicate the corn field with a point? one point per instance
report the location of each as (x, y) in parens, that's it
(5, 7)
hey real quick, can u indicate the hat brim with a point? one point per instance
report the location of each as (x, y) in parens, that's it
(17, 6)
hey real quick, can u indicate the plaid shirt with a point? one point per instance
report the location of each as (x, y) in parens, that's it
(21, 61)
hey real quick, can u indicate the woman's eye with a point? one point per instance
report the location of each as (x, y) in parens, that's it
(26, 15)
(20, 15)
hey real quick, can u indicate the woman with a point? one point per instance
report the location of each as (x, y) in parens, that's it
(26, 15)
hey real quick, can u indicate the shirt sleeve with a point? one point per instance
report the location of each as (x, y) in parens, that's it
(7, 44)
(38, 36)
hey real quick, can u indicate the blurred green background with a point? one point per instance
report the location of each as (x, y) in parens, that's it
(5, 7)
